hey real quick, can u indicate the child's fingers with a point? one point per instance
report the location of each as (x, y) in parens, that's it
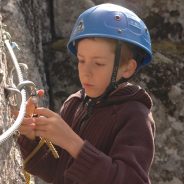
(40, 133)
(30, 107)
(27, 130)
(41, 128)
(41, 121)
(42, 124)
(44, 112)
(27, 121)
(27, 126)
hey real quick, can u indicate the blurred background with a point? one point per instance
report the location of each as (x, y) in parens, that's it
(42, 29)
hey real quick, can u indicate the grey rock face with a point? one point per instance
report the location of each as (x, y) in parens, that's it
(10, 158)
(164, 81)
(65, 19)
(19, 17)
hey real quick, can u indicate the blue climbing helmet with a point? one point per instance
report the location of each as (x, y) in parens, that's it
(118, 23)
(115, 22)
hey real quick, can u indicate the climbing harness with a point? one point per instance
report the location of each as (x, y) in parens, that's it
(19, 93)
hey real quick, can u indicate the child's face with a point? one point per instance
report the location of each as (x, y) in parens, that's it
(95, 65)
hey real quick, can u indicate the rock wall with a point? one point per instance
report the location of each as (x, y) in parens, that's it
(42, 28)
(24, 23)
(10, 159)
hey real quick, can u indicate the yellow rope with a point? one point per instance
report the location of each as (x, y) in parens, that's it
(27, 176)
(35, 150)
(52, 148)
(40, 144)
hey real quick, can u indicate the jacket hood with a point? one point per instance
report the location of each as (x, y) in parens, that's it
(125, 92)
(129, 92)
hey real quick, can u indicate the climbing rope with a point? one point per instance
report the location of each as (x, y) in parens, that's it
(20, 88)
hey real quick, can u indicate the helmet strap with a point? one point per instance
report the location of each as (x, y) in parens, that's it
(113, 83)
(116, 65)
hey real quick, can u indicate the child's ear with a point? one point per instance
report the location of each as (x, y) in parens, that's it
(128, 69)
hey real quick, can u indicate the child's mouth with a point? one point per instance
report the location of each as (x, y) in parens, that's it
(87, 85)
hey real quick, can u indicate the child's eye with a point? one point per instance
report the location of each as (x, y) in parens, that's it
(99, 64)
(80, 61)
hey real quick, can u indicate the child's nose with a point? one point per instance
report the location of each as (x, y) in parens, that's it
(87, 70)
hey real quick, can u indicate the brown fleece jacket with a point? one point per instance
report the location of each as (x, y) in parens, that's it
(119, 141)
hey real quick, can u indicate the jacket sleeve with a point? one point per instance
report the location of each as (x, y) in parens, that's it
(43, 164)
(129, 159)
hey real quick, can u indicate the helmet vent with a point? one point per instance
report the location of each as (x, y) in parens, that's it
(79, 28)
(117, 17)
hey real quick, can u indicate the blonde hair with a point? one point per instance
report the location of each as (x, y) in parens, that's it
(126, 50)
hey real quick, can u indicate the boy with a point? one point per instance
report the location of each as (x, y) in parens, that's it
(105, 132)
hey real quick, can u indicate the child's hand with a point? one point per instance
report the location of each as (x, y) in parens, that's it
(51, 126)
(27, 128)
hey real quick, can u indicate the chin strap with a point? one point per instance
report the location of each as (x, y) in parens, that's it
(113, 83)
